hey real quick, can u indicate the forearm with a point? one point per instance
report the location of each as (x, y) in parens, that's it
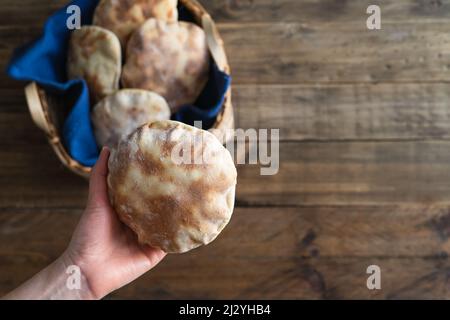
(52, 284)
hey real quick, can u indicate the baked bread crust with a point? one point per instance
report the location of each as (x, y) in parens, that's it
(171, 205)
(95, 55)
(171, 59)
(124, 111)
(124, 16)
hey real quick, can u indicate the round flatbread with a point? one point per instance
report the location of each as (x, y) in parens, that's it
(95, 56)
(171, 59)
(123, 112)
(172, 204)
(124, 16)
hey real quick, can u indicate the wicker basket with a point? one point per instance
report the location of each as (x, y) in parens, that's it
(49, 111)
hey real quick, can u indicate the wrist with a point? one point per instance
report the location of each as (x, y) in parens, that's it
(55, 283)
(76, 274)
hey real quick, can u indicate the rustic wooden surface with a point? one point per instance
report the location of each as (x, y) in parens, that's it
(365, 157)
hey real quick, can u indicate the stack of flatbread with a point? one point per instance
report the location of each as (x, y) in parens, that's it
(171, 183)
(139, 45)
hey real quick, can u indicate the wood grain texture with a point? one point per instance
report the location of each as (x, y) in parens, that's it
(35, 14)
(243, 11)
(318, 52)
(351, 173)
(311, 173)
(340, 53)
(324, 11)
(346, 112)
(303, 112)
(365, 158)
(278, 278)
(290, 253)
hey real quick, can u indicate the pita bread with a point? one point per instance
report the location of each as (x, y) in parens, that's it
(171, 59)
(172, 205)
(123, 112)
(95, 55)
(124, 16)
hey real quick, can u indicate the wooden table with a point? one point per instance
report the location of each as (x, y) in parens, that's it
(365, 157)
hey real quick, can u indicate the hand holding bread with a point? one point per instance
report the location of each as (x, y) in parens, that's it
(162, 65)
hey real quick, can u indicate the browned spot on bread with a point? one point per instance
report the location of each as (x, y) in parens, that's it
(94, 54)
(170, 14)
(148, 164)
(123, 17)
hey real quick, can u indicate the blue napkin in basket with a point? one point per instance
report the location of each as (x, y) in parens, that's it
(44, 61)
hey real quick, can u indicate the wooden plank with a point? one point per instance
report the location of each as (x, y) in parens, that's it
(28, 12)
(324, 11)
(12, 98)
(300, 53)
(36, 178)
(288, 253)
(226, 11)
(340, 51)
(327, 173)
(346, 112)
(291, 53)
(336, 278)
(307, 232)
(351, 173)
(17, 128)
(330, 112)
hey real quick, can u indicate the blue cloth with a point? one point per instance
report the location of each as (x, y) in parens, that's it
(44, 61)
(204, 110)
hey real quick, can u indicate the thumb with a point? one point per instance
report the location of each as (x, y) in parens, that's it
(98, 195)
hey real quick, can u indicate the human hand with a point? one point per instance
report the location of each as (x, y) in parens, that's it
(107, 251)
